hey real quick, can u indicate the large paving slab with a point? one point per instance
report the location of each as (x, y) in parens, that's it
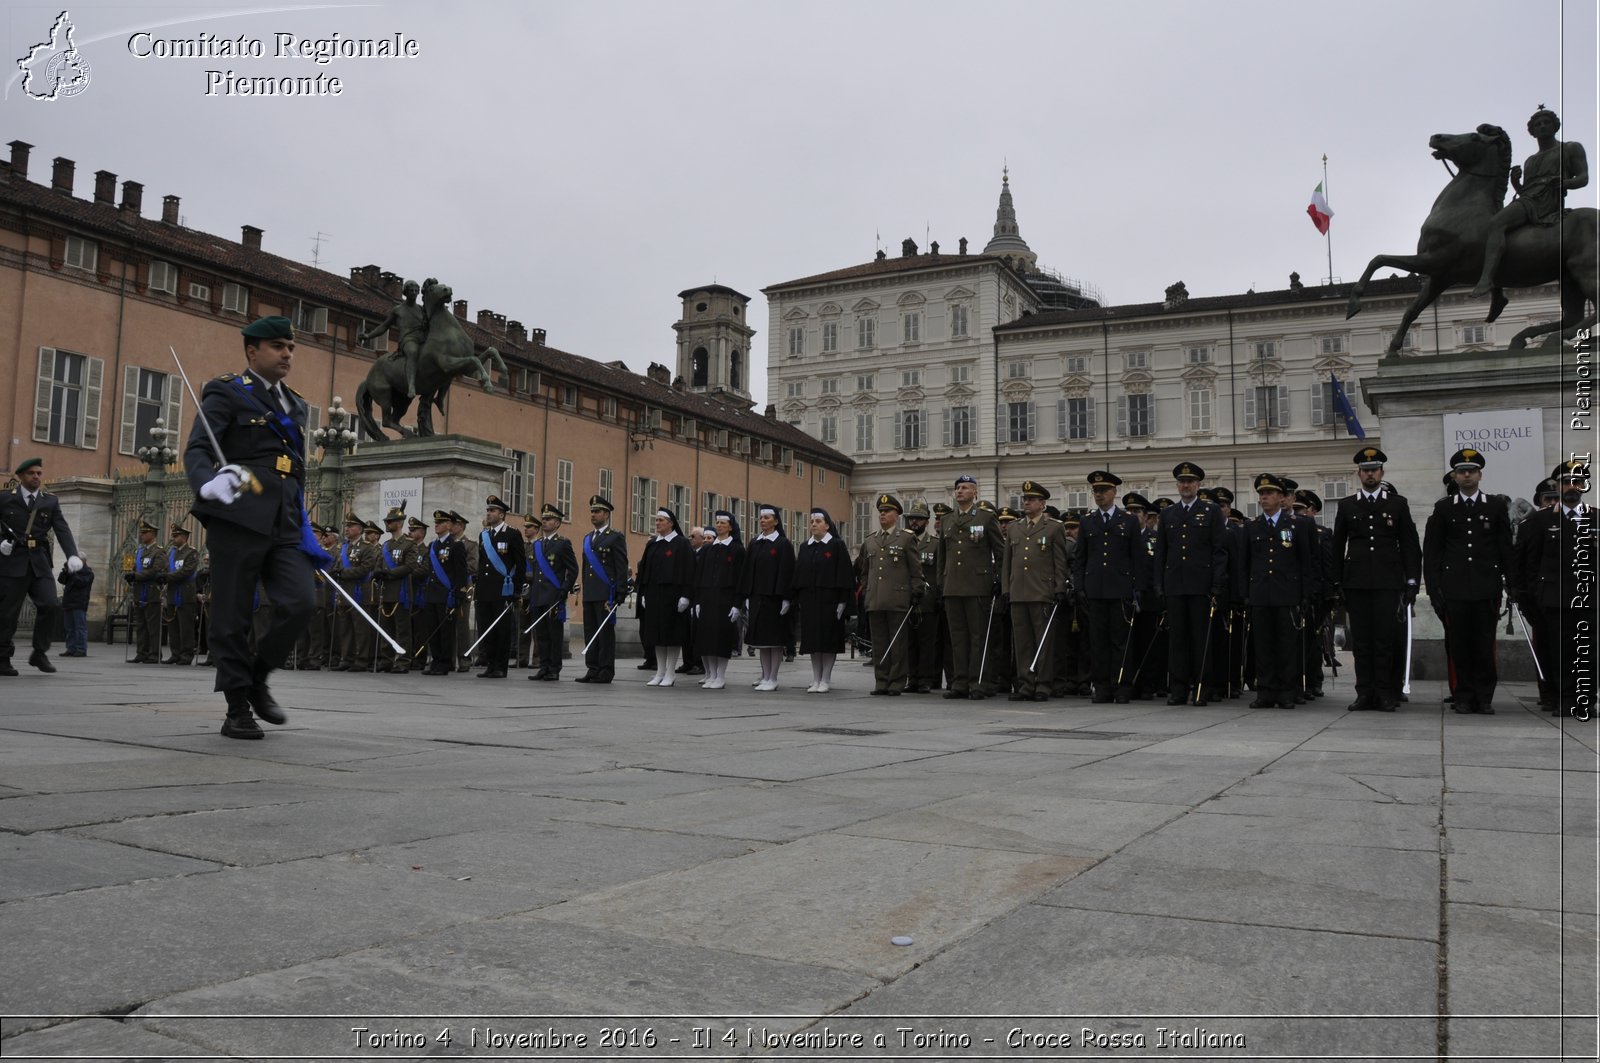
(1028, 823)
(42, 864)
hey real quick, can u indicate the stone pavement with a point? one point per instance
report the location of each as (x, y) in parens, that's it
(465, 867)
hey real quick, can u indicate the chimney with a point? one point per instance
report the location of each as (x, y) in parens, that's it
(132, 197)
(61, 176)
(881, 255)
(933, 248)
(515, 330)
(391, 284)
(500, 324)
(105, 187)
(486, 320)
(460, 309)
(963, 245)
(368, 275)
(537, 336)
(772, 412)
(169, 210)
(659, 373)
(19, 159)
(250, 237)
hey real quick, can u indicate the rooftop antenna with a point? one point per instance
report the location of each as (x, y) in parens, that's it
(316, 249)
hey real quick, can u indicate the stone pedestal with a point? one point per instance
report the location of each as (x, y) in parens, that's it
(457, 473)
(1413, 396)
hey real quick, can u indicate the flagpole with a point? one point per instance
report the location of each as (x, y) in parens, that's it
(1329, 234)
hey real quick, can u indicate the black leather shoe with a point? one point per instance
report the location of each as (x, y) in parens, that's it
(647, 666)
(1121, 698)
(1041, 697)
(1486, 709)
(974, 695)
(1198, 703)
(1289, 703)
(1358, 705)
(265, 706)
(5, 667)
(696, 670)
(1263, 703)
(1100, 698)
(949, 695)
(891, 693)
(241, 727)
(1178, 696)
(492, 673)
(1018, 697)
(587, 677)
(1388, 705)
(41, 661)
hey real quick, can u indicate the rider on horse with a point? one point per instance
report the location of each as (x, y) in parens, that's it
(1551, 172)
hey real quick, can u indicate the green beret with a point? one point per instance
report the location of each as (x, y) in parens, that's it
(30, 463)
(268, 328)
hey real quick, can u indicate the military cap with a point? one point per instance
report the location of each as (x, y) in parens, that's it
(1052, 511)
(146, 526)
(1206, 494)
(1071, 519)
(1102, 478)
(1389, 487)
(889, 502)
(1289, 485)
(395, 513)
(1163, 502)
(1134, 500)
(599, 502)
(987, 506)
(1033, 490)
(1467, 458)
(351, 518)
(1370, 458)
(1222, 495)
(1309, 498)
(268, 328)
(372, 526)
(1006, 513)
(28, 464)
(456, 518)
(414, 523)
(320, 529)
(441, 516)
(493, 502)
(1571, 469)
(918, 511)
(1449, 480)
(177, 529)
(1236, 517)
(1546, 489)
(1269, 482)
(965, 479)
(551, 511)
(940, 509)
(1188, 470)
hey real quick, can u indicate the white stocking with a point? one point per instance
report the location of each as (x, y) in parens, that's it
(827, 666)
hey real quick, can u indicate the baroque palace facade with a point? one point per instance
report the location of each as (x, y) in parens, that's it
(92, 292)
(926, 366)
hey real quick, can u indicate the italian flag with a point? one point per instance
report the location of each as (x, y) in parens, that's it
(1321, 213)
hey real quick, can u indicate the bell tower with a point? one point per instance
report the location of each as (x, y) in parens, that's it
(714, 343)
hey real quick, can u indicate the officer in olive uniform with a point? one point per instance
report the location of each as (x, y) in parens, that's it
(1035, 579)
(501, 570)
(1191, 575)
(1377, 562)
(1103, 572)
(1278, 558)
(183, 606)
(970, 549)
(922, 637)
(417, 532)
(889, 572)
(311, 646)
(254, 513)
(941, 510)
(352, 567)
(1466, 564)
(1556, 581)
(464, 615)
(605, 585)
(391, 591)
(444, 593)
(554, 573)
(29, 516)
(145, 580)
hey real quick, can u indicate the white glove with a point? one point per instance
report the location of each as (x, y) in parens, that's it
(226, 486)
(639, 598)
(838, 614)
(74, 563)
(733, 615)
(5, 548)
(697, 612)
(783, 610)
(683, 605)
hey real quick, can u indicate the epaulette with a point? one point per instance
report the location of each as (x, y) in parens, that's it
(226, 377)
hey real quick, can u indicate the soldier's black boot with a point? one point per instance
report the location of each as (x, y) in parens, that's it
(261, 700)
(239, 723)
(5, 666)
(40, 660)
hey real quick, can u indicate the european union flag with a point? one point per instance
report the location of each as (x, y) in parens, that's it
(1342, 402)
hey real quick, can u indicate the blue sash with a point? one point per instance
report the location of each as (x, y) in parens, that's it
(344, 562)
(507, 587)
(294, 443)
(550, 574)
(438, 574)
(598, 569)
(405, 584)
(172, 566)
(143, 594)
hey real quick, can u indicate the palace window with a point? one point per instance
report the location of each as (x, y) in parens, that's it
(67, 400)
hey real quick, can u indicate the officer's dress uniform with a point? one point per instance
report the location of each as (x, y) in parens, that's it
(183, 605)
(889, 571)
(527, 648)
(605, 578)
(496, 589)
(1191, 575)
(464, 615)
(391, 594)
(29, 571)
(923, 636)
(1557, 584)
(1377, 560)
(1466, 563)
(1316, 610)
(1036, 579)
(149, 575)
(311, 647)
(1103, 577)
(352, 636)
(554, 572)
(970, 549)
(1147, 650)
(419, 578)
(1278, 556)
(444, 594)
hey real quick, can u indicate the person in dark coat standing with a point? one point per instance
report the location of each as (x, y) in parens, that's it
(970, 550)
(664, 581)
(824, 585)
(765, 587)
(1278, 557)
(499, 582)
(444, 593)
(1556, 580)
(605, 585)
(183, 605)
(554, 573)
(1103, 578)
(253, 511)
(1546, 494)
(1191, 576)
(1377, 562)
(922, 638)
(144, 581)
(1308, 505)
(716, 599)
(75, 608)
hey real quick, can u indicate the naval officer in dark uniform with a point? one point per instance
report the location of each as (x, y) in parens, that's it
(1376, 565)
(1104, 577)
(553, 572)
(1277, 577)
(29, 516)
(253, 511)
(605, 585)
(1191, 573)
(501, 565)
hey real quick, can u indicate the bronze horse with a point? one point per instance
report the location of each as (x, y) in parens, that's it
(446, 354)
(1450, 249)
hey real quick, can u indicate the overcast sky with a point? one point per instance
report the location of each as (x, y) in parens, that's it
(575, 165)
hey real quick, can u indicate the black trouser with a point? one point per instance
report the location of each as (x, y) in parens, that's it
(601, 657)
(495, 646)
(42, 589)
(969, 625)
(1469, 639)
(1277, 653)
(240, 558)
(441, 621)
(1186, 639)
(1311, 645)
(922, 640)
(1376, 628)
(1108, 642)
(548, 637)
(1146, 670)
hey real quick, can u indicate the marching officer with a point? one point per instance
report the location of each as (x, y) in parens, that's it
(352, 567)
(1466, 563)
(922, 638)
(1556, 580)
(391, 591)
(554, 574)
(1191, 576)
(1377, 562)
(1035, 579)
(29, 515)
(889, 571)
(970, 549)
(145, 580)
(501, 567)
(1278, 559)
(1103, 572)
(605, 585)
(444, 593)
(183, 607)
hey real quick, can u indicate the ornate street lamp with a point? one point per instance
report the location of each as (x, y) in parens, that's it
(160, 453)
(336, 436)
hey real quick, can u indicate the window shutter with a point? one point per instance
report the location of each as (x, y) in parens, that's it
(1032, 420)
(1283, 406)
(945, 417)
(174, 404)
(1250, 407)
(91, 403)
(1321, 401)
(41, 401)
(1122, 416)
(130, 409)
(1150, 418)
(1061, 418)
(1352, 391)
(1090, 401)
